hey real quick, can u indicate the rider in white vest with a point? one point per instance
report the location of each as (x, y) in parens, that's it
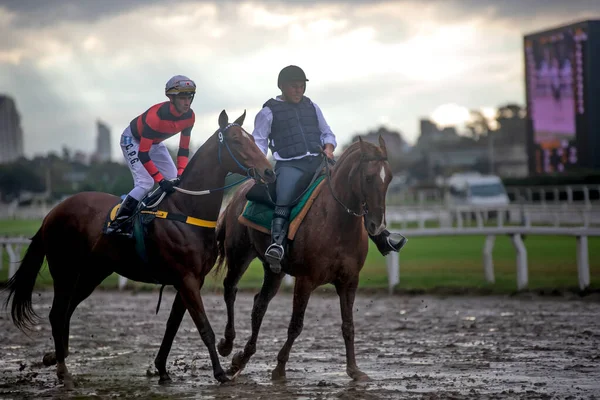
(295, 130)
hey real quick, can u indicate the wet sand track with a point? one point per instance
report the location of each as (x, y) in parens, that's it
(411, 346)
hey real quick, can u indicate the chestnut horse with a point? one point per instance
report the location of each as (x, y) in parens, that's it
(330, 247)
(80, 256)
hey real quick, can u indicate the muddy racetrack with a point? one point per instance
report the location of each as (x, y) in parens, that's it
(412, 347)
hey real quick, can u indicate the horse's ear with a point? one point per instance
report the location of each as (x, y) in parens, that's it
(382, 146)
(361, 144)
(223, 119)
(240, 120)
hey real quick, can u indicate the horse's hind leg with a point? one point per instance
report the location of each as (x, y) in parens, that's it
(269, 289)
(347, 291)
(68, 293)
(175, 318)
(235, 271)
(302, 291)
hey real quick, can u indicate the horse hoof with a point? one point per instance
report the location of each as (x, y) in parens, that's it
(224, 347)
(69, 384)
(49, 359)
(236, 361)
(222, 377)
(358, 376)
(63, 375)
(164, 378)
(278, 374)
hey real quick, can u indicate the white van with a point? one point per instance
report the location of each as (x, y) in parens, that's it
(474, 189)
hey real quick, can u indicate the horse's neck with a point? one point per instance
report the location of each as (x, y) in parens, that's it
(203, 172)
(342, 189)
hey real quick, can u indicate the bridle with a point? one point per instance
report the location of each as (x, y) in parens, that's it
(250, 172)
(364, 209)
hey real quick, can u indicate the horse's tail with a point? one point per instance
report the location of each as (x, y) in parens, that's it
(221, 241)
(20, 286)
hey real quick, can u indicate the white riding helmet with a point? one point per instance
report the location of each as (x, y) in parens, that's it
(180, 84)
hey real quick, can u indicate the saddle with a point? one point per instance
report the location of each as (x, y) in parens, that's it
(146, 212)
(258, 211)
(142, 217)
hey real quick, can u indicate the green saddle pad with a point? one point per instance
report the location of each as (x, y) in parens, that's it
(261, 214)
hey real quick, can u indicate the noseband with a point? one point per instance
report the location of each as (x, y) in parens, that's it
(364, 209)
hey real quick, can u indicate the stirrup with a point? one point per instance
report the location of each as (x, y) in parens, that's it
(116, 228)
(274, 255)
(396, 241)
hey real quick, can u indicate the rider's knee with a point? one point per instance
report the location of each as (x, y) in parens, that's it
(146, 184)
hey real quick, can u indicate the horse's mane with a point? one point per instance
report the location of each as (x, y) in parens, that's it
(372, 152)
(197, 155)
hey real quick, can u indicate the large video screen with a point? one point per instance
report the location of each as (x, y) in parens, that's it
(555, 88)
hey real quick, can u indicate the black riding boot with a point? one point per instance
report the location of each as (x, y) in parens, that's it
(123, 222)
(279, 230)
(387, 241)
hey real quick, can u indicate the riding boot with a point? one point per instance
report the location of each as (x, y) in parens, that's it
(123, 223)
(279, 229)
(387, 241)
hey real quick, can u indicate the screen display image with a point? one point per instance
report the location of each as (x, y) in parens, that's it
(554, 68)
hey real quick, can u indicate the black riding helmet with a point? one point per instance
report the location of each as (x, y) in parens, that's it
(290, 73)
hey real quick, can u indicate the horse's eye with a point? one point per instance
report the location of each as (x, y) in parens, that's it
(369, 179)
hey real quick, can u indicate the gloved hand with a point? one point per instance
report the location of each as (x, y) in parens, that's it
(168, 186)
(176, 181)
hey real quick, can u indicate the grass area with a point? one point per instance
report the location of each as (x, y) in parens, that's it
(425, 263)
(19, 227)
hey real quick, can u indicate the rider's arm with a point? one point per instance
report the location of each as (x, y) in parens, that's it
(184, 150)
(262, 129)
(144, 156)
(327, 136)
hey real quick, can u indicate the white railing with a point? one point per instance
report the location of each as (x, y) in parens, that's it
(521, 214)
(558, 220)
(13, 246)
(533, 195)
(516, 233)
(555, 194)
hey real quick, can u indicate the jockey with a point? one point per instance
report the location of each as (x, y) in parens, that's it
(147, 157)
(295, 130)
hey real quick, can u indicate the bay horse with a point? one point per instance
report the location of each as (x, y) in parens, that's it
(80, 256)
(329, 247)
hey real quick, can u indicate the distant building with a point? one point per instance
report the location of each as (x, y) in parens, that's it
(11, 134)
(431, 135)
(443, 151)
(428, 127)
(394, 142)
(80, 157)
(103, 151)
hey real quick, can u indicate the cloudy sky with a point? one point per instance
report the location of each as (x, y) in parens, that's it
(70, 62)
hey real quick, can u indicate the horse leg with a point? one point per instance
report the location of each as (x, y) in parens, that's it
(175, 318)
(234, 274)
(262, 299)
(67, 296)
(302, 291)
(190, 294)
(347, 291)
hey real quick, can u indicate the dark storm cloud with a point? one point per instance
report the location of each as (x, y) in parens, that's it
(53, 117)
(48, 12)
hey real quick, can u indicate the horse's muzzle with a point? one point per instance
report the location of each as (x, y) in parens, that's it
(268, 176)
(374, 228)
